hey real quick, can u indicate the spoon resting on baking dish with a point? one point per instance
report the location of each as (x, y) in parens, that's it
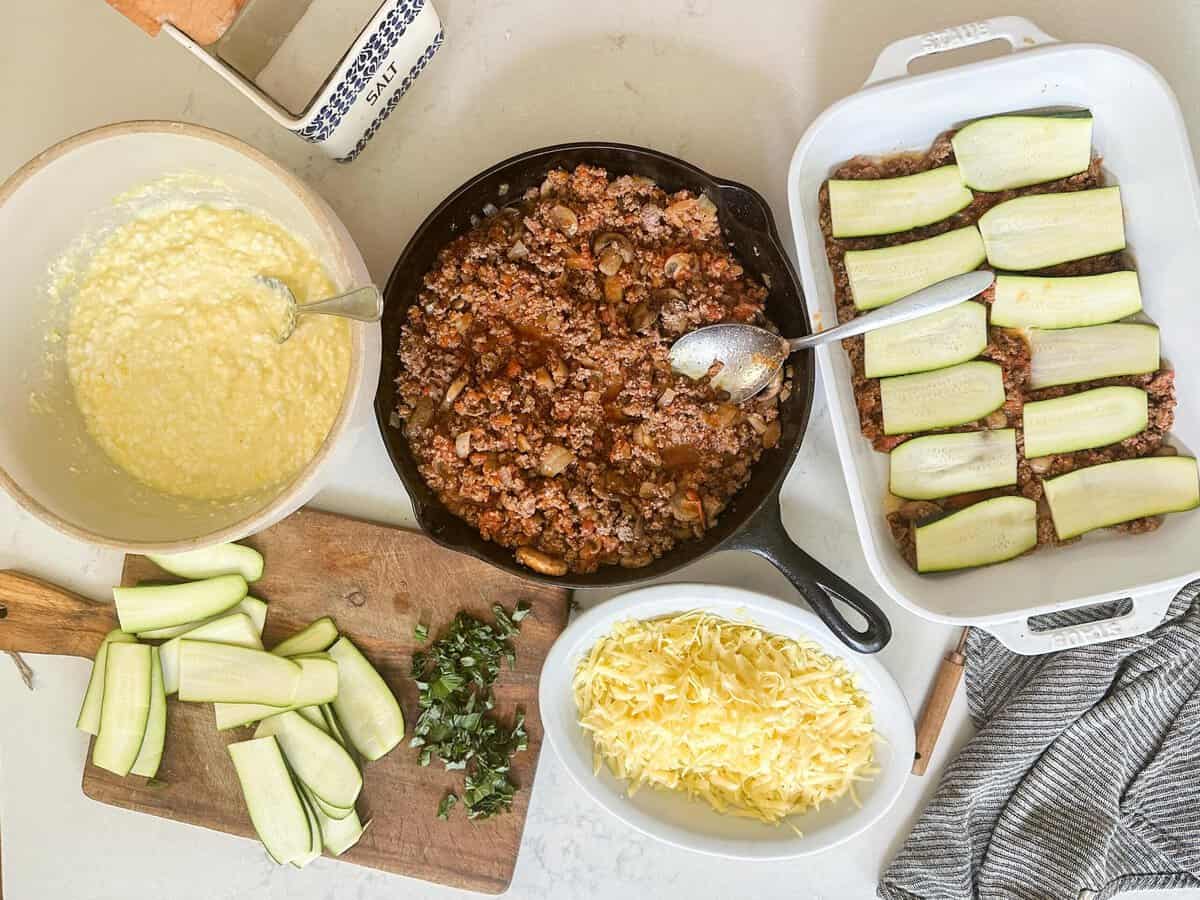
(364, 304)
(752, 356)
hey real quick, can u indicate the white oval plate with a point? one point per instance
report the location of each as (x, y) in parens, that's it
(692, 824)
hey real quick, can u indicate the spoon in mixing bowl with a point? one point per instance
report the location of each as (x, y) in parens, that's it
(751, 356)
(364, 304)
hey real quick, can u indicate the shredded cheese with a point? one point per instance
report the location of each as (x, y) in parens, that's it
(755, 724)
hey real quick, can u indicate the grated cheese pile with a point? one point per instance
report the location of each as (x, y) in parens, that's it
(757, 725)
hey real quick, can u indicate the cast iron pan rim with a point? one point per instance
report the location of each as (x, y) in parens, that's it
(608, 576)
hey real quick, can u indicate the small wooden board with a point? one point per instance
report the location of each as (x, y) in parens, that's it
(377, 583)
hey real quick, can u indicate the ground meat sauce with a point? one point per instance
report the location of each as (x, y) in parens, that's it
(1007, 347)
(536, 391)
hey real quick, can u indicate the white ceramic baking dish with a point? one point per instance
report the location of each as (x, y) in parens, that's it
(1140, 133)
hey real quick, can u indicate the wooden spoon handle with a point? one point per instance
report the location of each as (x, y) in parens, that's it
(39, 617)
(937, 704)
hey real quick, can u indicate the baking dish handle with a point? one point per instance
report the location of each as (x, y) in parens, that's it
(1146, 611)
(895, 58)
(765, 536)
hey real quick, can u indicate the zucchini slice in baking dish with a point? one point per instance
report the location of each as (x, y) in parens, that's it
(934, 341)
(1117, 492)
(1003, 152)
(877, 277)
(887, 205)
(1097, 351)
(1046, 229)
(941, 465)
(1024, 301)
(987, 532)
(1094, 418)
(951, 396)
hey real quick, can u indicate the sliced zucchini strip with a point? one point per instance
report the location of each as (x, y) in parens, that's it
(878, 277)
(934, 341)
(152, 606)
(318, 685)
(984, 533)
(128, 674)
(312, 715)
(253, 607)
(1116, 492)
(224, 673)
(207, 562)
(941, 465)
(365, 706)
(235, 628)
(320, 762)
(314, 638)
(1042, 230)
(93, 697)
(889, 205)
(1003, 152)
(150, 755)
(314, 828)
(1081, 421)
(1073, 355)
(272, 799)
(943, 398)
(1023, 301)
(338, 835)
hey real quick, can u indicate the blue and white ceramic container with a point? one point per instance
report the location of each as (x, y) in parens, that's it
(390, 52)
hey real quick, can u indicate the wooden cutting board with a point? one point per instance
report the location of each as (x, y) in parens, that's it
(377, 583)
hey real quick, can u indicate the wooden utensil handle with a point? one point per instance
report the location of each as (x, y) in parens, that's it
(937, 704)
(39, 617)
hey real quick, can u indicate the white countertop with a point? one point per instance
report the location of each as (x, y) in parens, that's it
(728, 85)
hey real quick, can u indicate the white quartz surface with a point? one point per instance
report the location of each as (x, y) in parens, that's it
(728, 85)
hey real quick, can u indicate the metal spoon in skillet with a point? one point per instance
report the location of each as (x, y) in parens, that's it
(751, 355)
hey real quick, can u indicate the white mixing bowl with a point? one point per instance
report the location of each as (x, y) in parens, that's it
(692, 824)
(55, 207)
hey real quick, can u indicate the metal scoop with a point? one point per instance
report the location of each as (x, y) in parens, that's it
(752, 356)
(364, 304)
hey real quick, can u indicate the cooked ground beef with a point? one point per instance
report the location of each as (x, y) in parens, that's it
(536, 390)
(1005, 346)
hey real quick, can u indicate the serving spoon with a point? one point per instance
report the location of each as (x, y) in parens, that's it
(752, 356)
(364, 304)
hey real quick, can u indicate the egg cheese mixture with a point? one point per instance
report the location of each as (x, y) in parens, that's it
(173, 355)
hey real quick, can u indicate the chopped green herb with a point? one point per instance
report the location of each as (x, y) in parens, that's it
(421, 632)
(446, 805)
(454, 678)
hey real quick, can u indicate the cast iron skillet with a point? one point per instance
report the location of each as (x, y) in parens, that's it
(752, 521)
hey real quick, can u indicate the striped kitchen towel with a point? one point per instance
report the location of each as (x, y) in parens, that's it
(1083, 778)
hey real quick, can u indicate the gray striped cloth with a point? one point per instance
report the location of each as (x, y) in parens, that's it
(1083, 778)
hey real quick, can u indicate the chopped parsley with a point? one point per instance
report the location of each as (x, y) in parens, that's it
(454, 677)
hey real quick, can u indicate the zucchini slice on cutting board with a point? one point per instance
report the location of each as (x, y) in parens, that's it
(1042, 230)
(951, 396)
(1003, 152)
(153, 606)
(1094, 418)
(1024, 301)
(878, 277)
(941, 465)
(888, 205)
(365, 706)
(988, 532)
(1116, 492)
(225, 673)
(128, 682)
(934, 341)
(318, 684)
(207, 562)
(235, 628)
(253, 607)
(1073, 355)
(93, 697)
(275, 806)
(150, 755)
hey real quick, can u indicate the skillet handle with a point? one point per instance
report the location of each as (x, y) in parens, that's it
(765, 536)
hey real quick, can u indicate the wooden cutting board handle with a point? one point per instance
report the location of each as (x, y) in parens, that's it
(39, 617)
